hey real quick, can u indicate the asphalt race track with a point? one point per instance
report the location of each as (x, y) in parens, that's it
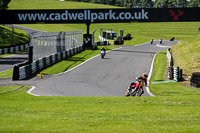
(97, 77)
(107, 77)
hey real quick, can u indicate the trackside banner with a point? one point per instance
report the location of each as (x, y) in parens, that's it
(99, 15)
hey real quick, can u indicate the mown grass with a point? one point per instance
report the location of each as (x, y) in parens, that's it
(6, 74)
(11, 37)
(74, 61)
(20, 112)
(159, 66)
(54, 4)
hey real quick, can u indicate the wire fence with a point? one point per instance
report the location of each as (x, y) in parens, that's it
(48, 43)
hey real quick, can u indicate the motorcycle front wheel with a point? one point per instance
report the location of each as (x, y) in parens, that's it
(127, 94)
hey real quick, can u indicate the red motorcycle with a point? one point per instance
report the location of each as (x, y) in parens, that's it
(136, 88)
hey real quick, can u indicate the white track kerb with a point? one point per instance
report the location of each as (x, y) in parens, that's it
(147, 88)
(150, 74)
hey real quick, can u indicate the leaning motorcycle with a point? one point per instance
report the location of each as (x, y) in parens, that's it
(103, 53)
(136, 88)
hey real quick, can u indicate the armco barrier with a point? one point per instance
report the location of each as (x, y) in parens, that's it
(174, 73)
(14, 49)
(28, 70)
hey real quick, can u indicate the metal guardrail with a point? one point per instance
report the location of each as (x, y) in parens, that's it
(30, 69)
(13, 49)
(47, 43)
(48, 48)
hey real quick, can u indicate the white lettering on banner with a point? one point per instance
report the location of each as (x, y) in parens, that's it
(89, 15)
(112, 15)
(144, 14)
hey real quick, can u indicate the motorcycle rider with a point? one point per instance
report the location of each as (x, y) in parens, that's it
(144, 79)
(103, 49)
(160, 40)
(151, 41)
(103, 52)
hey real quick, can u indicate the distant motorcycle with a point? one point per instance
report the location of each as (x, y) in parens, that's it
(103, 53)
(151, 41)
(136, 88)
(160, 40)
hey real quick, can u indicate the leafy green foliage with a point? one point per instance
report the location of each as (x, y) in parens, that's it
(4, 4)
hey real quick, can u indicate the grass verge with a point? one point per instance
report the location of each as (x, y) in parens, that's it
(167, 89)
(6, 74)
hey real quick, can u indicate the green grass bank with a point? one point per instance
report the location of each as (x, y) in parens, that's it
(186, 55)
(11, 37)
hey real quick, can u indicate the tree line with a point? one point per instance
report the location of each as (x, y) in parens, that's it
(4, 4)
(146, 3)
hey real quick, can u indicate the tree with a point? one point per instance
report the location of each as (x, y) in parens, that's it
(4, 4)
(146, 3)
(194, 3)
(161, 4)
(181, 3)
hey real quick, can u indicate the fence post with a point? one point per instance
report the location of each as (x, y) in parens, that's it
(30, 54)
(181, 75)
(15, 73)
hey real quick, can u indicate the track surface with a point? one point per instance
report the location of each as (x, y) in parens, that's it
(103, 77)
(98, 77)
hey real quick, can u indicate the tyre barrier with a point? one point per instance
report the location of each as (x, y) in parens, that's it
(28, 69)
(14, 49)
(195, 79)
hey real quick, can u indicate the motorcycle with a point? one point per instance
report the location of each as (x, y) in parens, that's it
(136, 88)
(103, 53)
(151, 41)
(160, 40)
